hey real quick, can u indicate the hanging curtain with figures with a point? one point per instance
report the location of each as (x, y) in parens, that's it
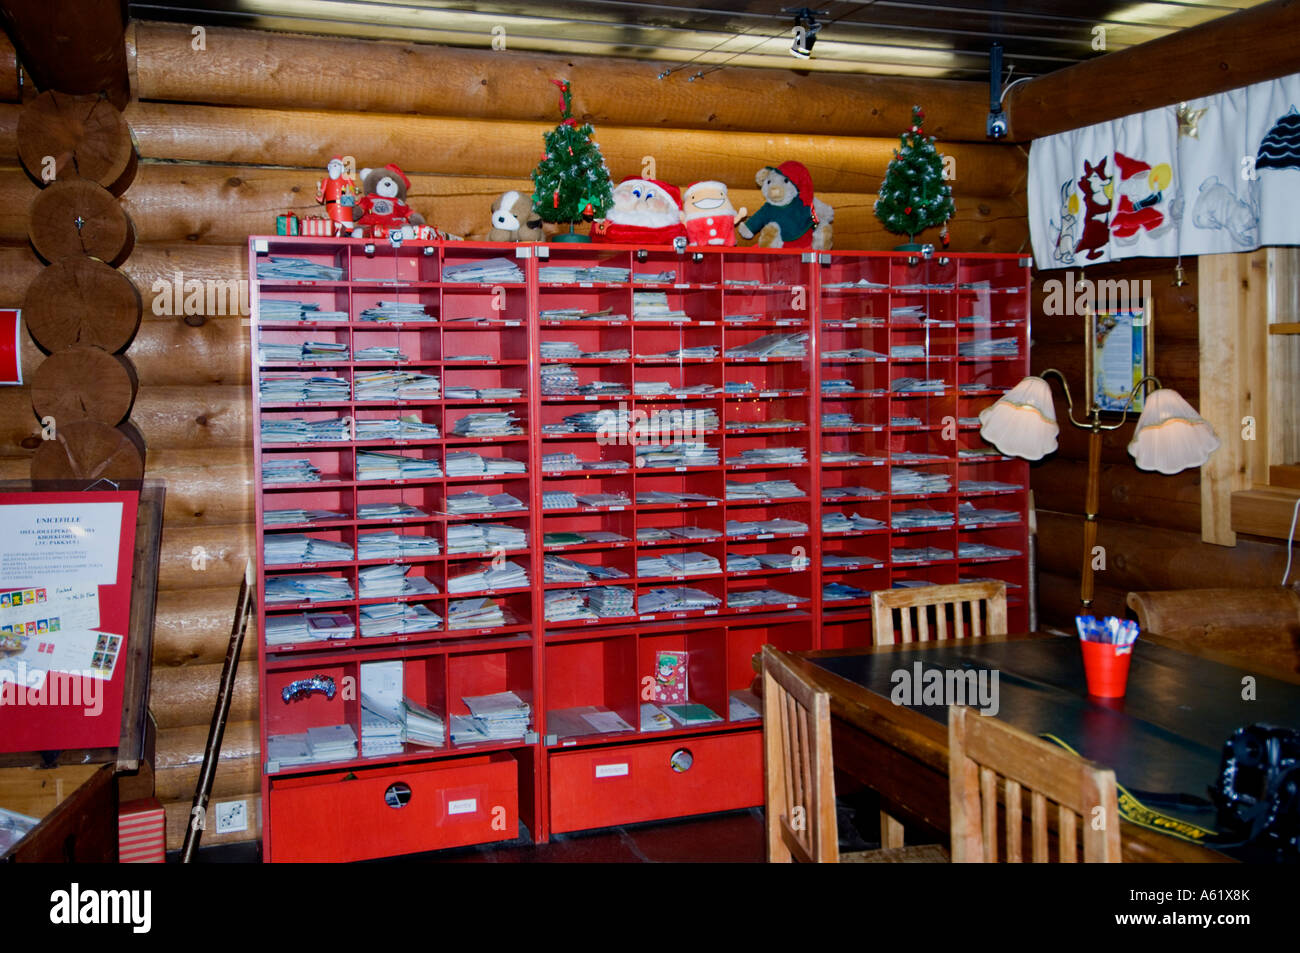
(1208, 176)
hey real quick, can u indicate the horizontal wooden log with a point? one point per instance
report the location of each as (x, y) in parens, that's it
(1127, 494)
(204, 556)
(179, 755)
(9, 130)
(20, 430)
(1174, 315)
(86, 53)
(205, 486)
(189, 418)
(177, 417)
(192, 627)
(1249, 46)
(252, 68)
(179, 818)
(9, 91)
(184, 695)
(1143, 557)
(62, 136)
(1058, 600)
(225, 204)
(1176, 364)
(510, 149)
(169, 351)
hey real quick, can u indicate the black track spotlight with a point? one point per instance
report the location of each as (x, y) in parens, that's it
(806, 29)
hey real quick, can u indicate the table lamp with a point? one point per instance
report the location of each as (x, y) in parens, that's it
(1170, 437)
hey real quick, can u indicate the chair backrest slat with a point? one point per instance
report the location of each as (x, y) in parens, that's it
(983, 752)
(799, 774)
(948, 604)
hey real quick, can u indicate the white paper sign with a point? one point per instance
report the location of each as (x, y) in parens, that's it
(49, 544)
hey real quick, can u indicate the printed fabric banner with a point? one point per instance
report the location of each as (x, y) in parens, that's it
(1210, 176)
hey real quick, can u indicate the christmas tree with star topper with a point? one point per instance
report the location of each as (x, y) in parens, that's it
(571, 183)
(913, 195)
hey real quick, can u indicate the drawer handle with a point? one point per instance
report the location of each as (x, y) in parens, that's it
(397, 795)
(681, 760)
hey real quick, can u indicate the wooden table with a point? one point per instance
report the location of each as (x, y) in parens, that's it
(1165, 735)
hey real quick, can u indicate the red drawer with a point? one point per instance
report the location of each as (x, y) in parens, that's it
(367, 813)
(603, 787)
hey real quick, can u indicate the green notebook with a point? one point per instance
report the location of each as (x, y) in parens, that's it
(563, 539)
(691, 714)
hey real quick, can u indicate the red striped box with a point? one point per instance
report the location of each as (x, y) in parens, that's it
(315, 226)
(141, 832)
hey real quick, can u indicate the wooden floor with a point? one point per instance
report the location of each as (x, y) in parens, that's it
(735, 837)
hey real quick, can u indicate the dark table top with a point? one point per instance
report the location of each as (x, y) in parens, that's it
(1164, 737)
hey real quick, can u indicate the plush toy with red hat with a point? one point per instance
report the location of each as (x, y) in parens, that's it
(644, 212)
(383, 206)
(789, 207)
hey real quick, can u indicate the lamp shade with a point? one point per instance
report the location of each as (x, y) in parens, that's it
(1171, 436)
(1022, 423)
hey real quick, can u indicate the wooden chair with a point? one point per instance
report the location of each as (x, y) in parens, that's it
(1243, 627)
(939, 612)
(983, 750)
(800, 777)
(934, 613)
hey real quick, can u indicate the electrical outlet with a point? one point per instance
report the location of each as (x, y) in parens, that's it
(232, 816)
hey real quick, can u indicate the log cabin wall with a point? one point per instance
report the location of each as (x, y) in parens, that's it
(233, 134)
(1149, 524)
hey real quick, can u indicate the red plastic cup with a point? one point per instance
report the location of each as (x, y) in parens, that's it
(1106, 668)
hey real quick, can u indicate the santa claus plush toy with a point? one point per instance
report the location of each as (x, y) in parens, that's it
(645, 212)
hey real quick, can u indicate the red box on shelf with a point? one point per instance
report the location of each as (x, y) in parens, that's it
(141, 832)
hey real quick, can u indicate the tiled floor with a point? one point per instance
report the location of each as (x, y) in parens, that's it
(734, 837)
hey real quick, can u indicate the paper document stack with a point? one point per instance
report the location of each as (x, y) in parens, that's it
(314, 588)
(499, 423)
(475, 614)
(486, 577)
(387, 311)
(499, 717)
(461, 504)
(296, 269)
(492, 271)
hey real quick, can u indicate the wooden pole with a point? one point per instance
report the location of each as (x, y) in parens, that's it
(1091, 503)
(220, 713)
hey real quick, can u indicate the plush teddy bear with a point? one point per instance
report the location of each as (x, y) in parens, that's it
(383, 206)
(513, 220)
(789, 216)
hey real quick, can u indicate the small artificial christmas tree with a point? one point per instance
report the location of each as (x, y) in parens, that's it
(571, 183)
(913, 196)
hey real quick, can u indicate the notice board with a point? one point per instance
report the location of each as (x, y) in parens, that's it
(66, 562)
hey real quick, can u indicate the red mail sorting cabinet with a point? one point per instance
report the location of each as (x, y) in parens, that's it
(528, 512)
